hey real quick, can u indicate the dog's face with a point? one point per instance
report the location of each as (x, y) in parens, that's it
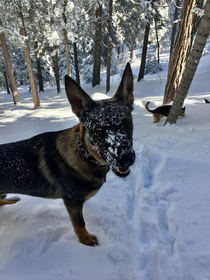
(108, 123)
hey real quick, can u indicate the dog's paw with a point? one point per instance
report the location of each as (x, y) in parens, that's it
(13, 199)
(89, 240)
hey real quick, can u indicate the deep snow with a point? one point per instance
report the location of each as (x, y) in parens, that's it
(154, 224)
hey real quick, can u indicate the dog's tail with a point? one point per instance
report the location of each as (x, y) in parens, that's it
(146, 107)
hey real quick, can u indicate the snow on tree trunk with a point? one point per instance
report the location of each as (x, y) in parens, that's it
(191, 65)
(144, 53)
(29, 64)
(97, 51)
(180, 51)
(9, 67)
(109, 46)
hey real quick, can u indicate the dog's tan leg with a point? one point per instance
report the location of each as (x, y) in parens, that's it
(75, 213)
(11, 200)
(156, 118)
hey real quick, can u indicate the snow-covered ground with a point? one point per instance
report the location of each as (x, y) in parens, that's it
(152, 225)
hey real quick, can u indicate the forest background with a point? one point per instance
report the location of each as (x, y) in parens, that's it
(43, 41)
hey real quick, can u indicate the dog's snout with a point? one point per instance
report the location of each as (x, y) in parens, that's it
(126, 159)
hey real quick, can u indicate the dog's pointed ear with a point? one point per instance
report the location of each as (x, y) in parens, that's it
(77, 97)
(125, 89)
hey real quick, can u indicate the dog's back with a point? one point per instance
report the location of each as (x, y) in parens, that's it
(161, 111)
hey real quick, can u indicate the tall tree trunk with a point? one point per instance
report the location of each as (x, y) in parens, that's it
(109, 46)
(97, 51)
(180, 51)
(158, 44)
(56, 65)
(191, 65)
(6, 82)
(66, 40)
(144, 53)
(56, 69)
(174, 28)
(29, 64)
(76, 63)
(41, 86)
(132, 48)
(66, 52)
(9, 67)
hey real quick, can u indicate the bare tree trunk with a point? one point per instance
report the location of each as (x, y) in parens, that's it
(66, 52)
(41, 86)
(180, 51)
(97, 51)
(132, 48)
(6, 82)
(76, 63)
(29, 64)
(9, 67)
(158, 44)
(56, 69)
(55, 65)
(191, 65)
(174, 28)
(66, 40)
(109, 46)
(144, 53)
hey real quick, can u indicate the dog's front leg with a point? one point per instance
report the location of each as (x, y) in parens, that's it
(76, 216)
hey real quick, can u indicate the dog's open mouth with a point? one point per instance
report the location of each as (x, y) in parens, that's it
(122, 171)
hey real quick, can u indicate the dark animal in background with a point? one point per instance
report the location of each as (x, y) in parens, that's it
(72, 164)
(161, 112)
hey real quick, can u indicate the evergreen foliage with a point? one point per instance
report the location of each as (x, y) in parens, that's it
(45, 20)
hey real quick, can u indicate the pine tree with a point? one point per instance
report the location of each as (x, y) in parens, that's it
(29, 63)
(9, 66)
(191, 65)
(180, 51)
(97, 48)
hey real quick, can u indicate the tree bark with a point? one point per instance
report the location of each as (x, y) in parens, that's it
(174, 28)
(144, 53)
(9, 67)
(6, 82)
(56, 69)
(158, 44)
(109, 47)
(132, 48)
(29, 64)
(39, 70)
(55, 65)
(66, 41)
(180, 51)
(97, 51)
(76, 63)
(191, 65)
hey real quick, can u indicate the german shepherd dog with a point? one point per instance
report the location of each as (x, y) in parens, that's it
(72, 164)
(161, 112)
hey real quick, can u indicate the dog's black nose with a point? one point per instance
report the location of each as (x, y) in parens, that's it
(126, 159)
